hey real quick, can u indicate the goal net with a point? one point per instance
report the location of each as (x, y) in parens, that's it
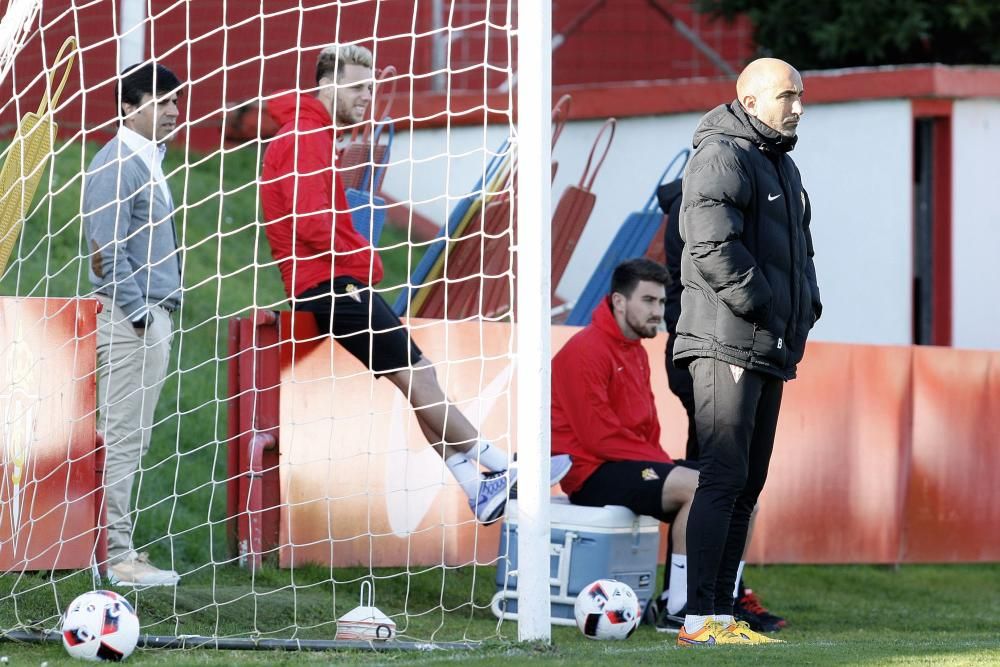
(281, 480)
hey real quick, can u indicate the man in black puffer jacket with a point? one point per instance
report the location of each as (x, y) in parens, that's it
(749, 300)
(669, 616)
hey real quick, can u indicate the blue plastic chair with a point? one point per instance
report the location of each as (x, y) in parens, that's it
(631, 241)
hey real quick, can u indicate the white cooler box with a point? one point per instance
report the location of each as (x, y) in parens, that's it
(587, 543)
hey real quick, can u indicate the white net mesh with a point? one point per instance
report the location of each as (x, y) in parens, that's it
(280, 473)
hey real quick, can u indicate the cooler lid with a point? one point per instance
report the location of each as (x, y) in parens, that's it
(564, 514)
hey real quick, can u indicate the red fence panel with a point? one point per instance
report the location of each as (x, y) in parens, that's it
(953, 489)
(49, 494)
(834, 490)
(883, 454)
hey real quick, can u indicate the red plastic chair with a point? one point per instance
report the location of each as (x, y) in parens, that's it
(477, 276)
(458, 293)
(576, 204)
(656, 250)
(560, 114)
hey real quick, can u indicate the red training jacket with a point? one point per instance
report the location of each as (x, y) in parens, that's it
(602, 402)
(316, 241)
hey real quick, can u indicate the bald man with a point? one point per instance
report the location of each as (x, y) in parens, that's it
(749, 300)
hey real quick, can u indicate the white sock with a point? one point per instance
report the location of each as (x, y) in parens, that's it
(466, 472)
(678, 583)
(694, 623)
(725, 619)
(488, 455)
(739, 575)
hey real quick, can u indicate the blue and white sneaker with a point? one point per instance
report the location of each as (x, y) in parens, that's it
(494, 490)
(559, 466)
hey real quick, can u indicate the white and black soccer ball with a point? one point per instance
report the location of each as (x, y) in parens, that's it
(100, 626)
(607, 609)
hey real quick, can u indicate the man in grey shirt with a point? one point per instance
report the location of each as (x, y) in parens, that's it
(135, 269)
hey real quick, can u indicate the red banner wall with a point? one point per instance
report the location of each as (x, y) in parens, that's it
(883, 454)
(47, 398)
(953, 485)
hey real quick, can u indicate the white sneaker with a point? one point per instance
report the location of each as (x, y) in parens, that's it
(559, 467)
(492, 500)
(137, 571)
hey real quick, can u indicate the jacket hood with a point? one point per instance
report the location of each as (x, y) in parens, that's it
(283, 109)
(667, 193)
(732, 121)
(604, 319)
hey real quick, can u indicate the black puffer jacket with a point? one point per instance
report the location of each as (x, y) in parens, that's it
(750, 294)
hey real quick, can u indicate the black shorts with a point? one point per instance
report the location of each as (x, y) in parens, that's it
(637, 485)
(362, 322)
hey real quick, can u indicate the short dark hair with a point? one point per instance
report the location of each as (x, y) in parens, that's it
(631, 272)
(143, 79)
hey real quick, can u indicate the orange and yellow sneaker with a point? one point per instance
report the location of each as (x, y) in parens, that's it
(742, 629)
(711, 634)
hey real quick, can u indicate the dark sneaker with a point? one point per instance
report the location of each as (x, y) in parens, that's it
(651, 612)
(748, 608)
(667, 622)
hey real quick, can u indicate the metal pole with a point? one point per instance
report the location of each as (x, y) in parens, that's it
(534, 240)
(132, 33)
(560, 38)
(439, 46)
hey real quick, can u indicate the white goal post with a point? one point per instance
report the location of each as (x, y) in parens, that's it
(534, 253)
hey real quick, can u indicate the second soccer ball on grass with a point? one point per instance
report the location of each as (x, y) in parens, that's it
(607, 609)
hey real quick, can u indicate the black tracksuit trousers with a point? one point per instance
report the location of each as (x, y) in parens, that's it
(736, 413)
(680, 383)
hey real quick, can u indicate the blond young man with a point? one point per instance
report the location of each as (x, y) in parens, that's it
(329, 269)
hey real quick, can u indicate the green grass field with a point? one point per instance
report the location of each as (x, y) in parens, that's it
(859, 615)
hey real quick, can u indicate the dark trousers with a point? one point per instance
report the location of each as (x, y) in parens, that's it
(736, 416)
(682, 386)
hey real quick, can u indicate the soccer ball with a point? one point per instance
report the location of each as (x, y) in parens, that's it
(607, 609)
(100, 625)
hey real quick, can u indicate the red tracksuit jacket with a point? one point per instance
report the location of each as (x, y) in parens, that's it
(308, 224)
(602, 402)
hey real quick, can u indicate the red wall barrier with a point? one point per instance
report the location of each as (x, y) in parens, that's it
(883, 454)
(48, 502)
(953, 489)
(835, 484)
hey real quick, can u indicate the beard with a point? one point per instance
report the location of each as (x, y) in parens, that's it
(789, 126)
(643, 328)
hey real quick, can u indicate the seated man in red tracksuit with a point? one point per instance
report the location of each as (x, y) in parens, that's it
(604, 414)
